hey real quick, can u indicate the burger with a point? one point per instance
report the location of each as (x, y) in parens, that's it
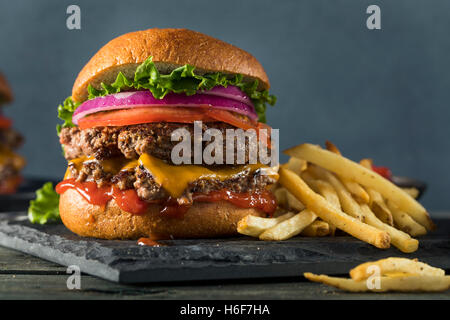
(122, 129)
(10, 163)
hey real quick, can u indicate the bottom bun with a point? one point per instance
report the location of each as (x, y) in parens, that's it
(202, 220)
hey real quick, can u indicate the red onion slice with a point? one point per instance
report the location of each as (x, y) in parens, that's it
(141, 99)
(231, 92)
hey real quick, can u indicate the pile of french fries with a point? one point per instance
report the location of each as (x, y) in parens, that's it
(320, 191)
(391, 274)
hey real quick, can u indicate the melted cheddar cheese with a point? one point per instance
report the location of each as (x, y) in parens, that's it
(173, 178)
(7, 156)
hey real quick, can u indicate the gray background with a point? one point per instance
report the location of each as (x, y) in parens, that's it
(382, 94)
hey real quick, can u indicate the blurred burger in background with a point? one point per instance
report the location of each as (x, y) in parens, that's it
(10, 163)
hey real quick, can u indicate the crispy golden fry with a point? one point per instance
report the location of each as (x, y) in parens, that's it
(330, 213)
(354, 188)
(254, 226)
(366, 163)
(293, 203)
(394, 265)
(376, 200)
(410, 283)
(348, 204)
(332, 147)
(323, 188)
(405, 223)
(399, 239)
(281, 197)
(413, 192)
(318, 228)
(327, 191)
(379, 207)
(368, 178)
(290, 227)
(279, 212)
(295, 164)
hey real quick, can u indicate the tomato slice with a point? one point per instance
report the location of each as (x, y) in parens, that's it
(164, 114)
(234, 119)
(144, 115)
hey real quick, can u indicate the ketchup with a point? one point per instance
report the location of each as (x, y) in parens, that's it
(172, 208)
(9, 186)
(383, 171)
(264, 201)
(129, 201)
(149, 242)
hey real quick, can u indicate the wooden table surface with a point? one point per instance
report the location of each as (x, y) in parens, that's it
(26, 277)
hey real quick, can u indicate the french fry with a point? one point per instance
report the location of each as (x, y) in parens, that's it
(376, 200)
(323, 188)
(379, 207)
(394, 265)
(293, 203)
(348, 204)
(399, 239)
(318, 228)
(290, 227)
(332, 147)
(281, 196)
(330, 213)
(368, 178)
(297, 165)
(254, 226)
(405, 223)
(413, 192)
(327, 191)
(354, 188)
(409, 283)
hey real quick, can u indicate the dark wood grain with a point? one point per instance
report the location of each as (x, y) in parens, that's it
(207, 259)
(27, 277)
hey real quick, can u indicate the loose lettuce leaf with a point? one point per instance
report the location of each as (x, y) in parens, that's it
(45, 208)
(180, 80)
(65, 112)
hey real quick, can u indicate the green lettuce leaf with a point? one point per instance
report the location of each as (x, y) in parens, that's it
(45, 208)
(180, 80)
(65, 112)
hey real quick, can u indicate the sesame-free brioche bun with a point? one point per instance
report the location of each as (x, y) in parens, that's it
(5, 90)
(170, 48)
(202, 220)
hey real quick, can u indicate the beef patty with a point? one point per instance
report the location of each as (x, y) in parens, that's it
(147, 189)
(134, 140)
(10, 138)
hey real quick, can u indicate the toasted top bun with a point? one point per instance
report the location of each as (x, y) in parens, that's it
(202, 220)
(170, 48)
(5, 90)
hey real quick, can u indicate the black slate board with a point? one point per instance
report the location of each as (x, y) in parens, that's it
(181, 260)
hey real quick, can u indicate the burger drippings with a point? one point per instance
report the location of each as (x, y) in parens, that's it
(149, 242)
(129, 201)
